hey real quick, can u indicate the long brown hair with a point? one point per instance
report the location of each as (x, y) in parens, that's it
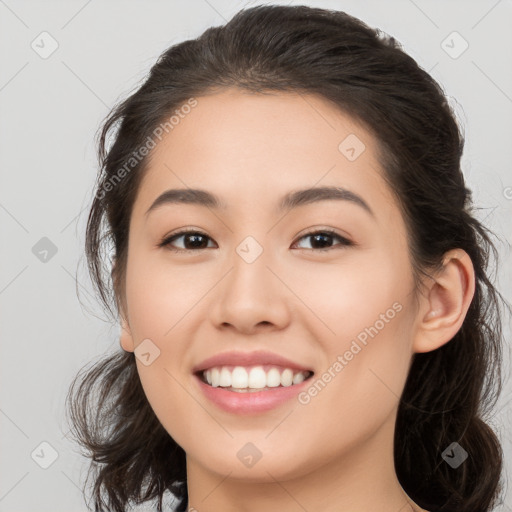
(367, 75)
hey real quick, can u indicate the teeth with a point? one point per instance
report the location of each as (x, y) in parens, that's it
(239, 377)
(273, 378)
(287, 377)
(298, 378)
(225, 378)
(252, 378)
(257, 378)
(215, 377)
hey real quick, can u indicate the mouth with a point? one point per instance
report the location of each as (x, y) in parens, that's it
(251, 379)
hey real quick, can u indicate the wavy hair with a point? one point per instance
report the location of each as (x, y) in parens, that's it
(364, 73)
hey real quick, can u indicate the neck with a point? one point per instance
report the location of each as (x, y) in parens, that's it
(362, 479)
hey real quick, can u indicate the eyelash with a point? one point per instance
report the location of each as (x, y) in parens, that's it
(329, 232)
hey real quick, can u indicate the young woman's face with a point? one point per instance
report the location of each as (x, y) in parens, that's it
(255, 279)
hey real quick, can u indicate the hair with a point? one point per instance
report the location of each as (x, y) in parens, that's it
(365, 74)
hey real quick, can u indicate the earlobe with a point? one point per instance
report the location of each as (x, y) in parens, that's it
(126, 339)
(446, 302)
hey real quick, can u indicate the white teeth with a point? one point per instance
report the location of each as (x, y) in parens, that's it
(253, 378)
(287, 378)
(239, 377)
(273, 378)
(225, 378)
(215, 377)
(257, 378)
(298, 378)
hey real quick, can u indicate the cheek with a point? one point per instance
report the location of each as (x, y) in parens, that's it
(358, 390)
(365, 335)
(159, 296)
(161, 303)
(354, 294)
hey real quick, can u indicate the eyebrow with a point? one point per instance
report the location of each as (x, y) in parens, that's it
(288, 202)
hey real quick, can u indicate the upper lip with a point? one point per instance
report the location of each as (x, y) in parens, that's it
(248, 359)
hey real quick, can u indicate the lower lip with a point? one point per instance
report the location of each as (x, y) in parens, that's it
(251, 401)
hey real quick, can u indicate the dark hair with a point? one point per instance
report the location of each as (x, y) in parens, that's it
(365, 74)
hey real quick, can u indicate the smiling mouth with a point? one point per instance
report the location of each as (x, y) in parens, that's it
(251, 379)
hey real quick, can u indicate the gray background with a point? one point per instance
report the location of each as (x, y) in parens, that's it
(50, 110)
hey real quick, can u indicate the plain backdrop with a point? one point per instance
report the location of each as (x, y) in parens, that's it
(51, 106)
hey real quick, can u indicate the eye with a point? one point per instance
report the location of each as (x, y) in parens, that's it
(322, 238)
(196, 240)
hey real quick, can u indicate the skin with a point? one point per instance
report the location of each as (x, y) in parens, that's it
(335, 452)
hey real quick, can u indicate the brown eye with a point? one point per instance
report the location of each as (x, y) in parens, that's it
(196, 240)
(321, 240)
(193, 240)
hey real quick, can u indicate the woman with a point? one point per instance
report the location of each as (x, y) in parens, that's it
(306, 317)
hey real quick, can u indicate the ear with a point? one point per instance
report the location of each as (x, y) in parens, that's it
(444, 305)
(126, 339)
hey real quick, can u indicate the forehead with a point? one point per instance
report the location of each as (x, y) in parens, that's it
(246, 147)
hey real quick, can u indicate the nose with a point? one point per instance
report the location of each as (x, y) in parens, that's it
(251, 297)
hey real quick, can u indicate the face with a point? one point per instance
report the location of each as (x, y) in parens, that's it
(321, 289)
